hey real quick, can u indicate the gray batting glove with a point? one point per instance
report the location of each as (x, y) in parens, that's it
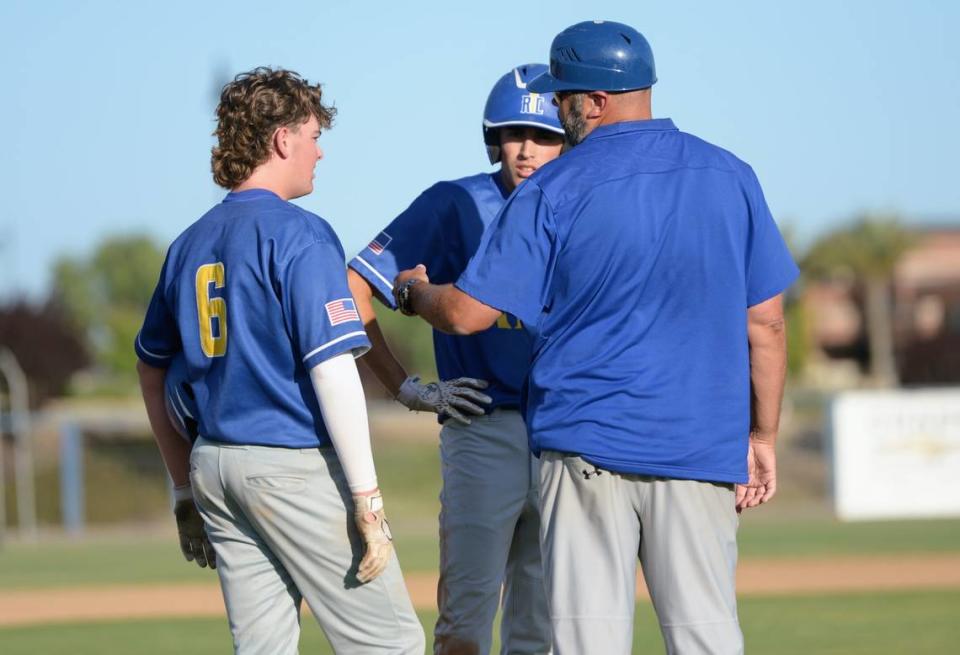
(194, 543)
(455, 398)
(375, 531)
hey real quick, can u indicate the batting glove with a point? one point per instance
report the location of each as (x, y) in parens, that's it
(194, 543)
(455, 398)
(375, 531)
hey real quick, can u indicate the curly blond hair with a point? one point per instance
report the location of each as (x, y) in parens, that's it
(251, 108)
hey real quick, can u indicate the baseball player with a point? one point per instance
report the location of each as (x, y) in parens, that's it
(489, 520)
(253, 305)
(649, 268)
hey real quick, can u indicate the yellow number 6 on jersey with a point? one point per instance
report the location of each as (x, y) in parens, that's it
(211, 308)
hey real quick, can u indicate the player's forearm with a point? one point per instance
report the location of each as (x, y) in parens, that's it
(382, 362)
(379, 359)
(174, 450)
(450, 310)
(768, 368)
(340, 396)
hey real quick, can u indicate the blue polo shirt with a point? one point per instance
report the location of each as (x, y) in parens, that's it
(633, 259)
(441, 230)
(254, 295)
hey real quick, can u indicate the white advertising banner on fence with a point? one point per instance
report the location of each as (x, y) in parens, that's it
(896, 454)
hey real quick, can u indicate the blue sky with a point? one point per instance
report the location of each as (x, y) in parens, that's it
(841, 107)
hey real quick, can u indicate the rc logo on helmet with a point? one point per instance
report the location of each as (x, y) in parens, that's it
(531, 103)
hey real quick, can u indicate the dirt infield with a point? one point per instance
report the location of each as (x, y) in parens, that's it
(754, 577)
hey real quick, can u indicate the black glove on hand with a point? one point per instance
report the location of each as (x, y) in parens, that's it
(193, 538)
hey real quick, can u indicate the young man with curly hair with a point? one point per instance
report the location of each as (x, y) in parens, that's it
(254, 299)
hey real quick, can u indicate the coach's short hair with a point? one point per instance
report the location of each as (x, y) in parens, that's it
(251, 108)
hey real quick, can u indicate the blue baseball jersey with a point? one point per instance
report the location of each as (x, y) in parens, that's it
(442, 230)
(179, 399)
(633, 258)
(254, 295)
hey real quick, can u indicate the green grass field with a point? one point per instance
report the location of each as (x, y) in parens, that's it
(409, 475)
(892, 624)
(137, 560)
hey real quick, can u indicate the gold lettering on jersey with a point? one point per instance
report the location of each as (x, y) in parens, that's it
(210, 308)
(503, 322)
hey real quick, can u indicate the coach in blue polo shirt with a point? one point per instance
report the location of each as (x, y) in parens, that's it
(648, 268)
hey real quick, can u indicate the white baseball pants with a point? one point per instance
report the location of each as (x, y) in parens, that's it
(597, 524)
(281, 523)
(489, 540)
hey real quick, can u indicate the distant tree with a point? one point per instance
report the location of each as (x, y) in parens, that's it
(866, 252)
(47, 346)
(106, 295)
(798, 341)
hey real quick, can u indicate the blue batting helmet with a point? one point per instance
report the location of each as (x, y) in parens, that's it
(179, 399)
(512, 103)
(598, 56)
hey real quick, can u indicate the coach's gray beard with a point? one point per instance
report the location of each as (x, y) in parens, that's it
(574, 125)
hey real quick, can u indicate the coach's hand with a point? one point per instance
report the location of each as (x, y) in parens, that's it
(193, 538)
(375, 531)
(455, 398)
(402, 287)
(418, 272)
(762, 471)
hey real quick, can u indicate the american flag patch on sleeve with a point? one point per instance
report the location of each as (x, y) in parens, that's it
(341, 311)
(380, 243)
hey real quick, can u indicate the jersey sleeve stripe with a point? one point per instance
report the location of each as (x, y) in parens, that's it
(387, 282)
(179, 416)
(333, 342)
(151, 354)
(183, 405)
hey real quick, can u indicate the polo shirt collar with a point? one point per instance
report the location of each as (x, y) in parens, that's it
(624, 127)
(249, 194)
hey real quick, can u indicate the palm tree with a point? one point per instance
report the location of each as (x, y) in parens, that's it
(867, 252)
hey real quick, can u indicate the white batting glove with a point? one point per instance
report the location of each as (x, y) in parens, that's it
(455, 398)
(375, 531)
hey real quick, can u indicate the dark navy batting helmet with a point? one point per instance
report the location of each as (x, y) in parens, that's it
(512, 103)
(598, 56)
(180, 402)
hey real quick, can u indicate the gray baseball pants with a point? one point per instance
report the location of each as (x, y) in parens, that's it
(489, 540)
(281, 523)
(596, 523)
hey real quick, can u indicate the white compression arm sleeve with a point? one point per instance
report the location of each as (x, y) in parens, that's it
(337, 385)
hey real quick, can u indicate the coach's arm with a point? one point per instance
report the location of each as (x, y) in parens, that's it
(444, 306)
(766, 334)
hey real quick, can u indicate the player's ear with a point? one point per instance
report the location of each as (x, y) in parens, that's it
(281, 141)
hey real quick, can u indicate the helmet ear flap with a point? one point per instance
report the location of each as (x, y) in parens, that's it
(491, 138)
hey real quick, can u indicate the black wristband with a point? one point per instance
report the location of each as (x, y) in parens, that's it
(404, 301)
